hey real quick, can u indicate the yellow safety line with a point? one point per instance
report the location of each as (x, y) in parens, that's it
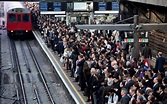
(83, 101)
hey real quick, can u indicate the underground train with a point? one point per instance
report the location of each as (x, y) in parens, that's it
(18, 19)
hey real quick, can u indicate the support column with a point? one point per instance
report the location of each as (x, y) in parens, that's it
(67, 19)
(91, 17)
(136, 38)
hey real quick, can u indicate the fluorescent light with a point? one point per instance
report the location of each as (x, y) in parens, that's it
(52, 12)
(106, 12)
(60, 15)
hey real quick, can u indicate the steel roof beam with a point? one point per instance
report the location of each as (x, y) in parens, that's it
(125, 27)
(153, 26)
(119, 27)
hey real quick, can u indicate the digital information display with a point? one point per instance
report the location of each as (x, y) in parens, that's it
(43, 6)
(106, 7)
(57, 6)
(80, 6)
(115, 6)
(102, 6)
(52, 7)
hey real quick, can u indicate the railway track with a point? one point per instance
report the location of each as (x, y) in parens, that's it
(20, 89)
(33, 81)
(41, 75)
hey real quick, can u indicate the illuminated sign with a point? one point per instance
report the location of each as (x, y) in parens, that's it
(80, 6)
(102, 6)
(115, 6)
(52, 7)
(57, 6)
(43, 6)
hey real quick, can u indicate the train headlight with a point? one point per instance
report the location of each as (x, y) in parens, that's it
(26, 30)
(11, 30)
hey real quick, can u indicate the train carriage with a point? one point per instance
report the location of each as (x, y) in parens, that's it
(18, 18)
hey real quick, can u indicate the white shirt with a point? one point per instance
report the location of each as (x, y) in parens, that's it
(115, 99)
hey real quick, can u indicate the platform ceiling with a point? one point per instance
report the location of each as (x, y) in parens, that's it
(153, 2)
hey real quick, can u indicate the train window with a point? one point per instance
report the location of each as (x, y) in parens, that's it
(18, 17)
(12, 17)
(26, 18)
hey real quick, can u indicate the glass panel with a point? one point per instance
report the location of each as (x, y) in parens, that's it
(12, 17)
(26, 18)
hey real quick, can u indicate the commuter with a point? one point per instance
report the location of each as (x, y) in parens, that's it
(160, 61)
(80, 72)
(140, 100)
(140, 93)
(146, 52)
(113, 97)
(161, 93)
(156, 84)
(133, 99)
(93, 85)
(151, 99)
(129, 82)
(87, 74)
(125, 98)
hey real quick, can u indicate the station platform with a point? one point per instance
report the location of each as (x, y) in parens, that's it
(71, 86)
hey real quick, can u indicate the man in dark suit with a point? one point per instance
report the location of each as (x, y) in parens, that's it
(146, 52)
(80, 72)
(160, 61)
(93, 84)
(156, 84)
(164, 82)
(161, 93)
(125, 98)
(129, 82)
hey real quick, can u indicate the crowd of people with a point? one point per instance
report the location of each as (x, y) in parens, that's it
(103, 65)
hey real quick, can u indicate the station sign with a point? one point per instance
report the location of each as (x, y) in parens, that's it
(106, 7)
(115, 6)
(57, 6)
(83, 6)
(141, 40)
(80, 6)
(129, 40)
(102, 6)
(52, 7)
(43, 6)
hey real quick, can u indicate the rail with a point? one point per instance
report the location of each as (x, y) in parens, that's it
(36, 93)
(40, 73)
(17, 66)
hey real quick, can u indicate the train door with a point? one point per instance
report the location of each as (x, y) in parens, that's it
(19, 26)
(26, 20)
